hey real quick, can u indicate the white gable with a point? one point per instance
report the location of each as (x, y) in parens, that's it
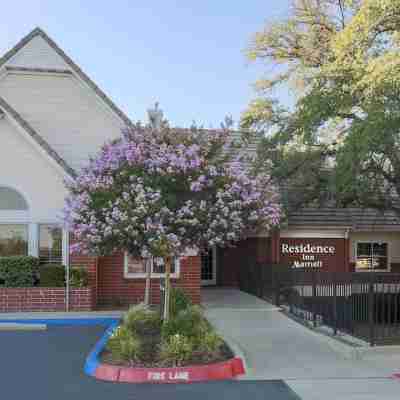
(37, 53)
(68, 115)
(24, 169)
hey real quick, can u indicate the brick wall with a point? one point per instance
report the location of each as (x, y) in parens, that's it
(44, 299)
(115, 290)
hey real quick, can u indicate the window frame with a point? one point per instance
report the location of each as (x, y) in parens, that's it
(143, 275)
(38, 239)
(28, 236)
(372, 242)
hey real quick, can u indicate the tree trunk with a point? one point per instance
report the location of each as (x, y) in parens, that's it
(167, 263)
(148, 282)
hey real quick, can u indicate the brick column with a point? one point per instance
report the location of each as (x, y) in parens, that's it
(91, 265)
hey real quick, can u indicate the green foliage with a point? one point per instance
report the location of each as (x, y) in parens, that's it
(343, 58)
(124, 344)
(52, 275)
(189, 322)
(139, 318)
(179, 301)
(18, 271)
(176, 349)
(79, 277)
(210, 342)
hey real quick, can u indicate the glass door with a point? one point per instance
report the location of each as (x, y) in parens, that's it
(208, 267)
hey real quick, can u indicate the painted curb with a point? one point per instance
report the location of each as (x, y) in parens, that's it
(63, 321)
(14, 327)
(223, 370)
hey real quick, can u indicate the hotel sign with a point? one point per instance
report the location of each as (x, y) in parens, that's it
(307, 255)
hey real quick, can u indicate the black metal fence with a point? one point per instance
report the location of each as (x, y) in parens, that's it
(364, 304)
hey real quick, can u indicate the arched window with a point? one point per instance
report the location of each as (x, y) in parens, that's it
(10, 199)
(13, 236)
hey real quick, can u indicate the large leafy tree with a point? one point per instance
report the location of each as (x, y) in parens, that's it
(159, 192)
(299, 140)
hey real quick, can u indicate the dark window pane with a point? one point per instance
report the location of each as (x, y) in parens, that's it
(13, 240)
(364, 249)
(379, 263)
(380, 249)
(159, 267)
(50, 244)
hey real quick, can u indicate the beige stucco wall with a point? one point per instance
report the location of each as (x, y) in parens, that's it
(66, 114)
(25, 169)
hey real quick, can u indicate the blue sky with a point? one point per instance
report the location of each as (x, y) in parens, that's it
(188, 55)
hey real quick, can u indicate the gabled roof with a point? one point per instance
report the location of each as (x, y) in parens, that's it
(8, 109)
(68, 60)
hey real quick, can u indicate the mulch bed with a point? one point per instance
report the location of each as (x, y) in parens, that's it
(151, 339)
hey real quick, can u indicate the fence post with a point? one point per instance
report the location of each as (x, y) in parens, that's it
(314, 298)
(371, 309)
(335, 313)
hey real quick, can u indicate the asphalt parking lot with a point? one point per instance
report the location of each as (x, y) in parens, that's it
(48, 365)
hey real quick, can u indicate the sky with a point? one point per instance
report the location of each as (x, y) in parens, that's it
(187, 55)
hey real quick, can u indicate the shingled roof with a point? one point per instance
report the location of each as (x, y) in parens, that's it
(353, 218)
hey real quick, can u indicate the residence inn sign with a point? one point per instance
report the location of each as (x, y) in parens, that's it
(327, 254)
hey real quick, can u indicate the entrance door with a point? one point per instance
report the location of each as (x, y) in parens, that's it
(208, 267)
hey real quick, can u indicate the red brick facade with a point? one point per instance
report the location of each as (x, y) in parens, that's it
(115, 290)
(44, 299)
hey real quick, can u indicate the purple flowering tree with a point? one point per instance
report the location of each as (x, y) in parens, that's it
(160, 192)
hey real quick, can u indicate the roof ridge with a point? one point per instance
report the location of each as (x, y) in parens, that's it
(35, 136)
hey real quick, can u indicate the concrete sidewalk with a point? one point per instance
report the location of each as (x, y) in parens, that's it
(276, 347)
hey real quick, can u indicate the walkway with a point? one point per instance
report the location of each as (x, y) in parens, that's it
(278, 348)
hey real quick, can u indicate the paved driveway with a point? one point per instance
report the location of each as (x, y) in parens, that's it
(278, 348)
(48, 365)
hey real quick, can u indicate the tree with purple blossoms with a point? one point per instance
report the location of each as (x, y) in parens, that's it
(157, 193)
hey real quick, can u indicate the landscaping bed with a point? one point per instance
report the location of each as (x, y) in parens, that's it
(143, 341)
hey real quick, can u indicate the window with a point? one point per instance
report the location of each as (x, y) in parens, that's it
(372, 256)
(13, 240)
(135, 267)
(11, 200)
(50, 244)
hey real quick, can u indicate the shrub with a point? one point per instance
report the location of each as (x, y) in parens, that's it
(79, 277)
(52, 275)
(124, 345)
(210, 342)
(139, 317)
(189, 322)
(179, 301)
(18, 271)
(176, 349)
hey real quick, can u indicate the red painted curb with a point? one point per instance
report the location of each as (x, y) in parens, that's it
(223, 370)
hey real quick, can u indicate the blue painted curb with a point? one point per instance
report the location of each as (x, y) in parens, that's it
(92, 360)
(64, 321)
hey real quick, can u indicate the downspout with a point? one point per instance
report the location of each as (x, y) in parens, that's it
(67, 267)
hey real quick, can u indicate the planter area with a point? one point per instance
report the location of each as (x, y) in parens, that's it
(142, 348)
(45, 299)
(228, 369)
